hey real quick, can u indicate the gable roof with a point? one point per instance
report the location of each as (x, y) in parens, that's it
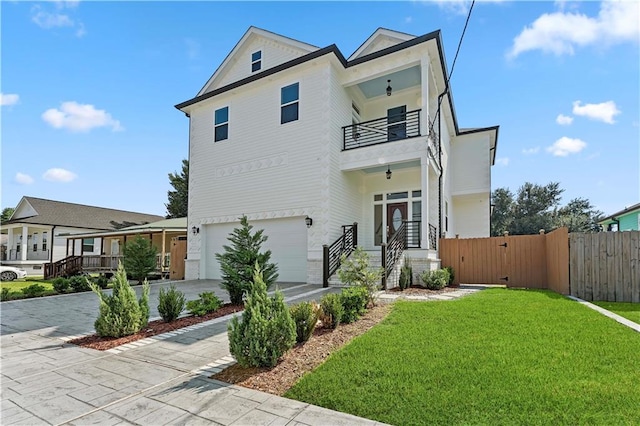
(381, 35)
(251, 33)
(620, 213)
(49, 212)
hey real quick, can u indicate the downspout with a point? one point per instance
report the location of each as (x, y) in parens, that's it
(440, 96)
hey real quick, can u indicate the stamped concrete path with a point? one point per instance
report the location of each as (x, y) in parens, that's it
(155, 381)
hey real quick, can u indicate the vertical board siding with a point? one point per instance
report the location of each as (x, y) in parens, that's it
(557, 246)
(604, 266)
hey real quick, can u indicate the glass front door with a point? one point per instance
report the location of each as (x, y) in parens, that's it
(396, 213)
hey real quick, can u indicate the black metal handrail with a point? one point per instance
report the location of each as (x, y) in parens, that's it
(332, 254)
(433, 237)
(413, 233)
(392, 251)
(382, 130)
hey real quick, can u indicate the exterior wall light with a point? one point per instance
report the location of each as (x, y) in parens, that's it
(388, 172)
(308, 221)
(389, 89)
(195, 230)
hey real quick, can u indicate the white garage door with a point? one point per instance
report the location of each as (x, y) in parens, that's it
(287, 242)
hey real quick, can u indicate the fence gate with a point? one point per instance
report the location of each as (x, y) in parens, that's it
(517, 261)
(178, 252)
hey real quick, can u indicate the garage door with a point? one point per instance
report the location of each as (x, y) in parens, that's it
(287, 242)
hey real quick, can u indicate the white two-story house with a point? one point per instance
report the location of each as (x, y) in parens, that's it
(306, 143)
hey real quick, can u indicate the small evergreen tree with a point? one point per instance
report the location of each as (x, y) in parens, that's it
(121, 313)
(357, 271)
(239, 258)
(179, 197)
(266, 330)
(139, 257)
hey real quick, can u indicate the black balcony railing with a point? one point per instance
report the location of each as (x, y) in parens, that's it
(433, 237)
(382, 130)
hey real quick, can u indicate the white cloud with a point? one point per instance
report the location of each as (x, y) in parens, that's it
(531, 151)
(561, 32)
(23, 179)
(79, 117)
(459, 7)
(57, 18)
(504, 161)
(564, 120)
(9, 99)
(604, 111)
(565, 146)
(59, 175)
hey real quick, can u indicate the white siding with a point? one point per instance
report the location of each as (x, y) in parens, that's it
(470, 164)
(470, 216)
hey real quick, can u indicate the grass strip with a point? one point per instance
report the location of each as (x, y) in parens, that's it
(630, 311)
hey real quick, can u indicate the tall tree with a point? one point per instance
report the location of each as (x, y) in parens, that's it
(179, 197)
(579, 215)
(502, 213)
(534, 208)
(6, 214)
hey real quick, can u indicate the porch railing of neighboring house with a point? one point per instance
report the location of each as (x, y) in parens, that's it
(31, 255)
(70, 265)
(332, 254)
(433, 237)
(392, 251)
(382, 130)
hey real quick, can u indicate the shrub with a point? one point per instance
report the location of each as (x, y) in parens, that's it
(239, 258)
(34, 290)
(139, 257)
(354, 303)
(266, 330)
(406, 274)
(121, 314)
(207, 303)
(170, 303)
(332, 310)
(435, 280)
(60, 285)
(101, 281)
(5, 294)
(449, 269)
(305, 316)
(79, 283)
(356, 271)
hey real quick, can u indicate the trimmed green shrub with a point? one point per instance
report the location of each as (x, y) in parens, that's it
(354, 302)
(101, 280)
(305, 317)
(406, 275)
(207, 303)
(34, 290)
(449, 269)
(266, 330)
(239, 258)
(5, 294)
(332, 310)
(139, 257)
(79, 283)
(357, 271)
(61, 285)
(121, 313)
(435, 280)
(171, 303)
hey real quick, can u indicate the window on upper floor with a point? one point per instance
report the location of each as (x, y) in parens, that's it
(289, 96)
(256, 61)
(221, 128)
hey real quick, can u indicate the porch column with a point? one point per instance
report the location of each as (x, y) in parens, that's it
(424, 184)
(425, 73)
(164, 236)
(10, 243)
(23, 248)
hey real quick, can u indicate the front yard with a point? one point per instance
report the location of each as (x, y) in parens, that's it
(630, 311)
(496, 357)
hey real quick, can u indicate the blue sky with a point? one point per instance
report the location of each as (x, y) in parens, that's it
(89, 88)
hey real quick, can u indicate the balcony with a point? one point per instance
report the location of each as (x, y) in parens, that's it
(382, 130)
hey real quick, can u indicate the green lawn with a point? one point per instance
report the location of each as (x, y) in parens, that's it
(497, 357)
(630, 311)
(18, 285)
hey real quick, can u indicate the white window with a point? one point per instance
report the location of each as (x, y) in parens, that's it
(256, 61)
(289, 96)
(221, 124)
(87, 245)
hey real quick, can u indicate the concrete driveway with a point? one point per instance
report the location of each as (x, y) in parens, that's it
(161, 380)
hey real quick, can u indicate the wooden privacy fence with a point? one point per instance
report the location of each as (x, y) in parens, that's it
(605, 266)
(531, 261)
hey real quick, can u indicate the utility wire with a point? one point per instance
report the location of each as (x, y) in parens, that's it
(446, 86)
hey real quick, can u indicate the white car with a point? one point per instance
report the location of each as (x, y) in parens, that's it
(10, 273)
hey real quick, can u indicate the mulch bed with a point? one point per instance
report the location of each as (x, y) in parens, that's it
(154, 327)
(415, 290)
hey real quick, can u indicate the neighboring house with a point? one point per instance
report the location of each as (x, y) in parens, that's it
(303, 142)
(37, 230)
(168, 236)
(624, 220)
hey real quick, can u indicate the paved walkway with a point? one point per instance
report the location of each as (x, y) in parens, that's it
(162, 380)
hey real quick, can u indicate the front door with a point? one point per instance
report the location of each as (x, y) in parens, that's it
(396, 213)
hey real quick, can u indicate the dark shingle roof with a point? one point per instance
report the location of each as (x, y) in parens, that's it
(60, 213)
